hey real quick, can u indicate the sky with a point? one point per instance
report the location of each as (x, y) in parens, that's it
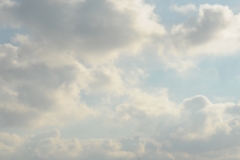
(119, 80)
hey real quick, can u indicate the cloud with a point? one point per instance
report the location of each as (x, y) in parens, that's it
(183, 9)
(196, 118)
(196, 129)
(90, 30)
(33, 90)
(63, 70)
(44, 73)
(49, 145)
(212, 32)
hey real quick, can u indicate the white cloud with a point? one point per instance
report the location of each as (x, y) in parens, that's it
(33, 90)
(68, 52)
(183, 9)
(43, 77)
(213, 32)
(193, 129)
(49, 145)
(93, 30)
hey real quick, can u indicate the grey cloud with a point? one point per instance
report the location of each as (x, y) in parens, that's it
(29, 90)
(208, 33)
(50, 145)
(42, 80)
(210, 22)
(199, 128)
(196, 103)
(214, 31)
(234, 110)
(92, 28)
(191, 133)
(204, 28)
(47, 134)
(43, 75)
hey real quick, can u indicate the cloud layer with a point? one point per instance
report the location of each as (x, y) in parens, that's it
(198, 129)
(65, 72)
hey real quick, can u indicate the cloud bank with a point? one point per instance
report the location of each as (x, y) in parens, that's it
(64, 71)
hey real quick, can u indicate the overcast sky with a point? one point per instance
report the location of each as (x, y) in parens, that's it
(119, 80)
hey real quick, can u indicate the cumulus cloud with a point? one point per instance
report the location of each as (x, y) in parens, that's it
(199, 130)
(44, 73)
(65, 61)
(193, 131)
(32, 90)
(212, 32)
(194, 119)
(88, 29)
(49, 145)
